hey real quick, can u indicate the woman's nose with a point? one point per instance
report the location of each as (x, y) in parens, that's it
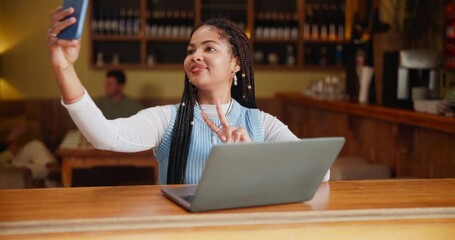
(197, 56)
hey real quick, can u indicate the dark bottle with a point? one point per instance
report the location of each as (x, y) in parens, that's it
(129, 22)
(309, 18)
(100, 28)
(122, 22)
(323, 21)
(107, 22)
(115, 22)
(323, 57)
(94, 23)
(315, 26)
(136, 22)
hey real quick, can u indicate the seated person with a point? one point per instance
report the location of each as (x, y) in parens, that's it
(115, 104)
(16, 150)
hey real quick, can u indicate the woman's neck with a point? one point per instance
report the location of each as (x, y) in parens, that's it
(212, 98)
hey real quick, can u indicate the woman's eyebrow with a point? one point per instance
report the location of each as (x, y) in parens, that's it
(204, 43)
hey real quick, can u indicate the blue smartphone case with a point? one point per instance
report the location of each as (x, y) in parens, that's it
(74, 31)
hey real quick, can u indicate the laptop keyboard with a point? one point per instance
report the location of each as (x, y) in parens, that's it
(188, 198)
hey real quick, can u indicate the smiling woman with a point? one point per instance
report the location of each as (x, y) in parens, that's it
(218, 103)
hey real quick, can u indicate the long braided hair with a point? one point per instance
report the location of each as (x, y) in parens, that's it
(242, 93)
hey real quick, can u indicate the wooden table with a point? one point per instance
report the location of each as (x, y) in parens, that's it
(380, 209)
(77, 154)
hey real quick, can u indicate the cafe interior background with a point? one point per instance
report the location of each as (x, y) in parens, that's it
(321, 66)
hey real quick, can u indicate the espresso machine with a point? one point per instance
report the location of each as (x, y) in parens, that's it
(410, 75)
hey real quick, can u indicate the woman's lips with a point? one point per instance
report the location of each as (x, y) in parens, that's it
(198, 68)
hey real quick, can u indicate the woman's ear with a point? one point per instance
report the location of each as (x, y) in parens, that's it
(237, 65)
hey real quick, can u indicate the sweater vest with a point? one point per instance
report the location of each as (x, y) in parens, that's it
(201, 139)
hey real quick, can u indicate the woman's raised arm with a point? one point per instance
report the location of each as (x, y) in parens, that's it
(63, 53)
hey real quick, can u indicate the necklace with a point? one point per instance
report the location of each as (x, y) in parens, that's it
(226, 114)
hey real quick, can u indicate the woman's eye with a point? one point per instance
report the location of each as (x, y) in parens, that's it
(210, 49)
(189, 51)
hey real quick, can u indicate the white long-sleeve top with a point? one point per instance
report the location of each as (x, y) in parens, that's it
(145, 130)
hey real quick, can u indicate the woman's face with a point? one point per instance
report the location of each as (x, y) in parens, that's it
(209, 63)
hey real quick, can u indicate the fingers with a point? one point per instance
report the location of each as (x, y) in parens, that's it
(241, 135)
(58, 23)
(224, 131)
(209, 123)
(59, 13)
(221, 115)
(234, 134)
(237, 136)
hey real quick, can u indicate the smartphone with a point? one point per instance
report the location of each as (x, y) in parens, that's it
(74, 31)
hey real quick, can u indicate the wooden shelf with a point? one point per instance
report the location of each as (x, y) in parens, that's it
(289, 11)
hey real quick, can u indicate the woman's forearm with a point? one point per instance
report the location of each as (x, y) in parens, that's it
(69, 84)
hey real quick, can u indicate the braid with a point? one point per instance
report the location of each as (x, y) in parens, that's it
(181, 136)
(243, 93)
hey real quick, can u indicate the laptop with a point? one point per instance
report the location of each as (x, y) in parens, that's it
(254, 174)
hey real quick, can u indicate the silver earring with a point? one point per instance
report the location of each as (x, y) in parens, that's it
(235, 80)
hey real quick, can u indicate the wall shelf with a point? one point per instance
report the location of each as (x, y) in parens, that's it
(140, 33)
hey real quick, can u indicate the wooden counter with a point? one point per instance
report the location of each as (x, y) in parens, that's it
(407, 117)
(385, 209)
(412, 144)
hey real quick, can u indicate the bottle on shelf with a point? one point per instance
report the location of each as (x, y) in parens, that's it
(259, 25)
(287, 25)
(294, 26)
(129, 22)
(339, 55)
(122, 22)
(136, 22)
(340, 21)
(115, 59)
(151, 60)
(290, 59)
(309, 18)
(324, 24)
(315, 21)
(99, 59)
(266, 22)
(107, 22)
(100, 26)
(115, 23)
(323, 57)
(94, 23)
(332, 21)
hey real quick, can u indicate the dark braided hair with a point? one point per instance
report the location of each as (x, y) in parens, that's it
(242, 93)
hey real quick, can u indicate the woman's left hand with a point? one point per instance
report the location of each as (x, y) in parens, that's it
(226, 132)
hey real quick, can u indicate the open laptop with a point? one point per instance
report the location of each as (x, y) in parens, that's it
(254, 174)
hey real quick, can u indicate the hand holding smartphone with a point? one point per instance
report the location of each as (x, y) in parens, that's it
(74, 31)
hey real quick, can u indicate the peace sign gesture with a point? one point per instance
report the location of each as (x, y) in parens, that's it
(226, 132)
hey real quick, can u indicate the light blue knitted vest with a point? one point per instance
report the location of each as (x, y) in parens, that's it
(201, 139)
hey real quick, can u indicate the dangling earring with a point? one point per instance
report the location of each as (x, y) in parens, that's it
(235, 79)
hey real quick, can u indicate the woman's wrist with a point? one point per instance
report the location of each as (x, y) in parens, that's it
(73, 99)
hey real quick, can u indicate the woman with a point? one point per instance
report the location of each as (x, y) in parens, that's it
(218, 103)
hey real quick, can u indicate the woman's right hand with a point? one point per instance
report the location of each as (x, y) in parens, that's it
(63, 53)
